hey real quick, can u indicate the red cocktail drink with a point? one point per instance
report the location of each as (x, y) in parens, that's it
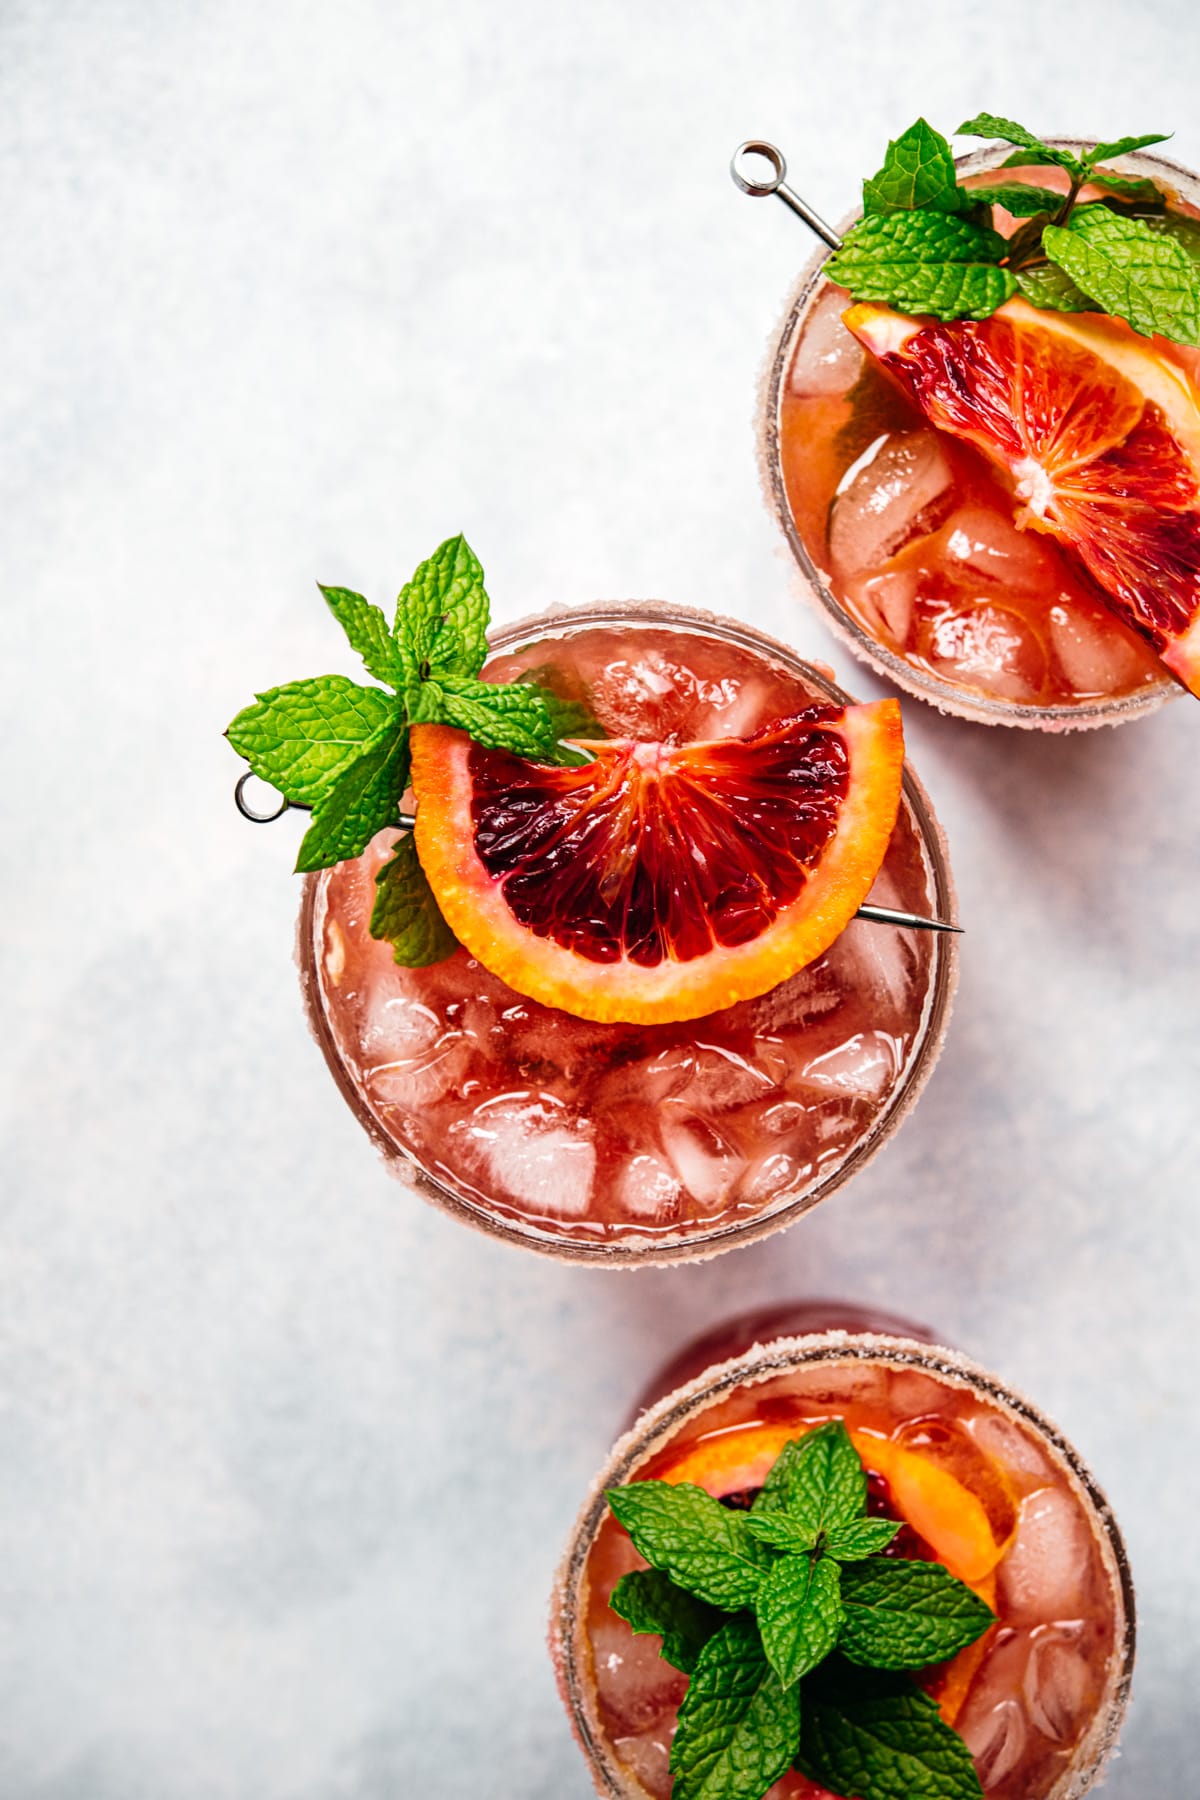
(624, 1143)
(984, 1485)
(917, 547)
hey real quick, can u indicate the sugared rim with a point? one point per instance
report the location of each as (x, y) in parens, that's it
(660, 1423)
(947, 698)
(698, 1246)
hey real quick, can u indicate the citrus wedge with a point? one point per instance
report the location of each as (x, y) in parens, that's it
(1099, 433)
(659, 882)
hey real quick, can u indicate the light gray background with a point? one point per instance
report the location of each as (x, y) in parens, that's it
(294, 291)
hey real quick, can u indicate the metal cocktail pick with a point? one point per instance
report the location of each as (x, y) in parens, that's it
(758, 187)
(745, 167)
(878, 915)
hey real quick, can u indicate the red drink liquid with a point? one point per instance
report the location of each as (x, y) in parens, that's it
(630, 1143)
(985, 1485)
(909, 538)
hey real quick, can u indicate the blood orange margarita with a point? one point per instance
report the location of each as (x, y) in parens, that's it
(624, 1143)
(908, 539)
(982, 1482)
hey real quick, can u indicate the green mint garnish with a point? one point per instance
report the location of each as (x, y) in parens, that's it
(878, 1737)
(405, 913)
(924, 243)
(861, 1538)
(820, 1625)
(1136, 273)
(1022, 202)
(918, 171)
(699, 1543)
(818, 1480)
(738, 1723)
(1053, 290)
(799, 1613)
(924, 262)
(341, 749)
(301, 737)
(900, 1614)
(649, 1601)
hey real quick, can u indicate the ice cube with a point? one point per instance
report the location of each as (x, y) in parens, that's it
(1097, 655)
(876, 959)
(995, 1737)
(637, 1689)
(533, 1150)
(647, 695)
(828, 360)
(396, 1027)
(1009, 1445)
(422, 1078)
(983, 643)
(647, 1189)
(1058, 1683)
(770, 1176)
(884, 603)
(807, 996)
(982, 543)
(863, 1066)
(900, 492)
(1046, 1573)
(648, 1760)
(335, 952)
(705, 1163)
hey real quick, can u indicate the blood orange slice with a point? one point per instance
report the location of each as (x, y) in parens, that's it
(1099, 433)
(659, 882)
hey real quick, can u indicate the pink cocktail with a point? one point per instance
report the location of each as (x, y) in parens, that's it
(908, 538)
(984, 1484)
(621, 1143)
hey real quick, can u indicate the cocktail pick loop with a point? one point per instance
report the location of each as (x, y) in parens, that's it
(758, 186)
(876, 915)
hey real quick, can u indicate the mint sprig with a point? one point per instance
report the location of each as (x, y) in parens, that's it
(340, 749)
(924, 243)
(870, 1734)
(796, 1632)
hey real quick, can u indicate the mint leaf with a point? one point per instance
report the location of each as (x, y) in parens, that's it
(442, 615)
(406, 913)
(1022, 201)
(299, 738)
(649, 1602)
(781, 1532)
(1184, 230)
(1127, 187)
(738, 1727)
(702, 1545)
(989, 125)
(879, 1737)
(513, 716)
(367, 630)
(924, 262)
(1122, 146)
(799, 1614)
(918, 170)
(862, 1537)
(363, 800)
(901, 1615)
(818, 1479)
(1052, 289)
(1134, 272)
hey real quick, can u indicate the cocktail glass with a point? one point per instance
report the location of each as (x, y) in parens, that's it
(622, 1144)
(984, 1482)
(905, 539)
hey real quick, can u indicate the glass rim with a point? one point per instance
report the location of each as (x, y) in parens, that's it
(656, 1427)
(948, 698)
(695, 1246)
